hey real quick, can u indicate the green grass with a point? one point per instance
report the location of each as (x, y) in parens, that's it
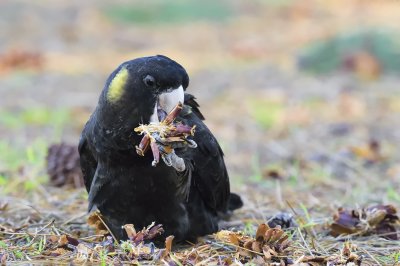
(15, 155)
(325, 56)
(393, 195)
(25, 166)
(34, 116)
(265, 112)
(165, 12)
(23, 159)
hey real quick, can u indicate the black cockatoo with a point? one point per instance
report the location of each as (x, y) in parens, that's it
(125, 187)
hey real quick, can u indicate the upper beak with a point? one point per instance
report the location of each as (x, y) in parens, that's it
(167, 101)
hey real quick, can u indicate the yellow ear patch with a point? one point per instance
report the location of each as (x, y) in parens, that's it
(116, 88)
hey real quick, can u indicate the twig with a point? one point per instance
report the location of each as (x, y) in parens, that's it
(108, 229)
(305, 243)
(372, 257)
(73, 218)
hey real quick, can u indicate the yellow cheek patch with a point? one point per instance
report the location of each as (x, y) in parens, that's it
(117, 85)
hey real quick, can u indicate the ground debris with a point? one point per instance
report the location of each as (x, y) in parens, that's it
(146, 233)
(376, 219)
(346, 256)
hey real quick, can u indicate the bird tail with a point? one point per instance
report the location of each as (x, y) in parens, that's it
(235, 202)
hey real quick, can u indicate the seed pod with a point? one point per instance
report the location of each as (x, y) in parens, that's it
(143, 145)
(173, 114)
(181, 129)
(171, 140)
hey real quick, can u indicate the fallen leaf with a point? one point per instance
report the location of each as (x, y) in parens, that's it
(272, 174)
(94, 220)
(234, 239)
(130, 230)
(20, 59)
(261, 230)
(363, 64)
(3, 206)
(370, 152)
(168, 243)
(83, 250)
(3, 258)
(65, 241)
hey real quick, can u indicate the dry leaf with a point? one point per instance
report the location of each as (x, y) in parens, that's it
(365, 65)
(130, 230)
(65, 241)
(3, 258)
(83, 250)
(94, 220)
(234, 239)
(20, 59)
(261, 230)
(3, 205)
(272, 174)
(370, 152)
(168, 243)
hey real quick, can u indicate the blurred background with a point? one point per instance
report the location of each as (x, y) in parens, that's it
(303, 95)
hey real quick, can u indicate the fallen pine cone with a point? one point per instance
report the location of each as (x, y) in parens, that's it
(270, 243)
(164, 137)
(63, 165)
(377, 219)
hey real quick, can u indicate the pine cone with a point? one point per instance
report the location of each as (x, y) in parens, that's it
(63, 165)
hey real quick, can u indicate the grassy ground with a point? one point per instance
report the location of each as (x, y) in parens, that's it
(294, 142)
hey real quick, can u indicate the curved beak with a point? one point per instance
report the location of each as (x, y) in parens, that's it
(167, 101)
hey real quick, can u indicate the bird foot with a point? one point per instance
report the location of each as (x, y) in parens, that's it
(171, 159)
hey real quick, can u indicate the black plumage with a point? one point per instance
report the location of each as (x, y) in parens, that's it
(125, 187)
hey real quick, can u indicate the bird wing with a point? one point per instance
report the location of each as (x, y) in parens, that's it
(87, 160)
(190, 100)
(94, 175)
(100, 188)
(209, 173)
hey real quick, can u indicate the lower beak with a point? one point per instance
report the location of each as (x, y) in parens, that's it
(167, 101)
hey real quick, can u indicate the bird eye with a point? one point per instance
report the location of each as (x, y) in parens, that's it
(149, 81)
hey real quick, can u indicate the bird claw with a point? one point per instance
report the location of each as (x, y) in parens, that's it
(192, 144)
(171, 159)
(167, 159)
